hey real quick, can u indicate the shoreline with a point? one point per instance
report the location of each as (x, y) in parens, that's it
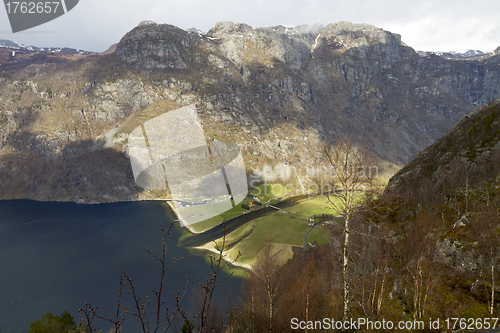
(180, 220)
(225, 256)
(206, 247)
(80, 202)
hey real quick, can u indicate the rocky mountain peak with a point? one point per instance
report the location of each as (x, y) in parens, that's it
(362, 41)
(225, 29)
(153, 45)
(146, 22)
(344, 73)
(243, 44)
(351, 35)
(222, 29)
(275, 91)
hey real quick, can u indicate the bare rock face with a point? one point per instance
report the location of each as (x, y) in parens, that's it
(120, 98)
(349, 35)
(275, 91)
(467, 156)
(244, 44)
(154, 46)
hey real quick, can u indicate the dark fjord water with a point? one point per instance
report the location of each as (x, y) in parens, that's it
(57, 256)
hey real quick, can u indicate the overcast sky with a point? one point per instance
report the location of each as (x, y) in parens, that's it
(429, 25)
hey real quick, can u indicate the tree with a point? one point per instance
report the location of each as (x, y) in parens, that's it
(152, 312)
(261, 291)
(187, 327)
(485, 228)
(65, 323)
(208, 317)
(420, 249)
(349, 174)
(272, 294)
(269, 282)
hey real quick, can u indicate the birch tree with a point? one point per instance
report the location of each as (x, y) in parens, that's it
(350, 173)
(485, 227)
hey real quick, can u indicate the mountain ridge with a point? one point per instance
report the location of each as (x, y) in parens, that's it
(63, 50)
(275, 91)
(466, 156)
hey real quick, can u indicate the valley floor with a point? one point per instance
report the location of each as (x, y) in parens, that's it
(280, 231)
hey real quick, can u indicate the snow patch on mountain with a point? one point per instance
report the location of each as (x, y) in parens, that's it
(18, 46)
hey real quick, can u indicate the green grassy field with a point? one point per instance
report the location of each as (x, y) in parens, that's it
(277, 228)
(280, 229)
(314, 206)
(211, 222)
(321, 205)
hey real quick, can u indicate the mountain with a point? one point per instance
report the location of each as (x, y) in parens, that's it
(468, 53)
(429, 250)
(63, 50)
(459, 55)
(356, 77)
(443, 208)
(275, 91)
(467, 156)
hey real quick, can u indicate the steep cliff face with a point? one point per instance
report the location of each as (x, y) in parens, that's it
(275, 91)
(456, 181)
(354, 78)
(155, 48)
(468, 156)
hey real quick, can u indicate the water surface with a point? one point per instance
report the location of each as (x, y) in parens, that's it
(57, 256)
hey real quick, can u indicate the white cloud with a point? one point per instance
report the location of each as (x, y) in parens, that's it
(447, 30)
